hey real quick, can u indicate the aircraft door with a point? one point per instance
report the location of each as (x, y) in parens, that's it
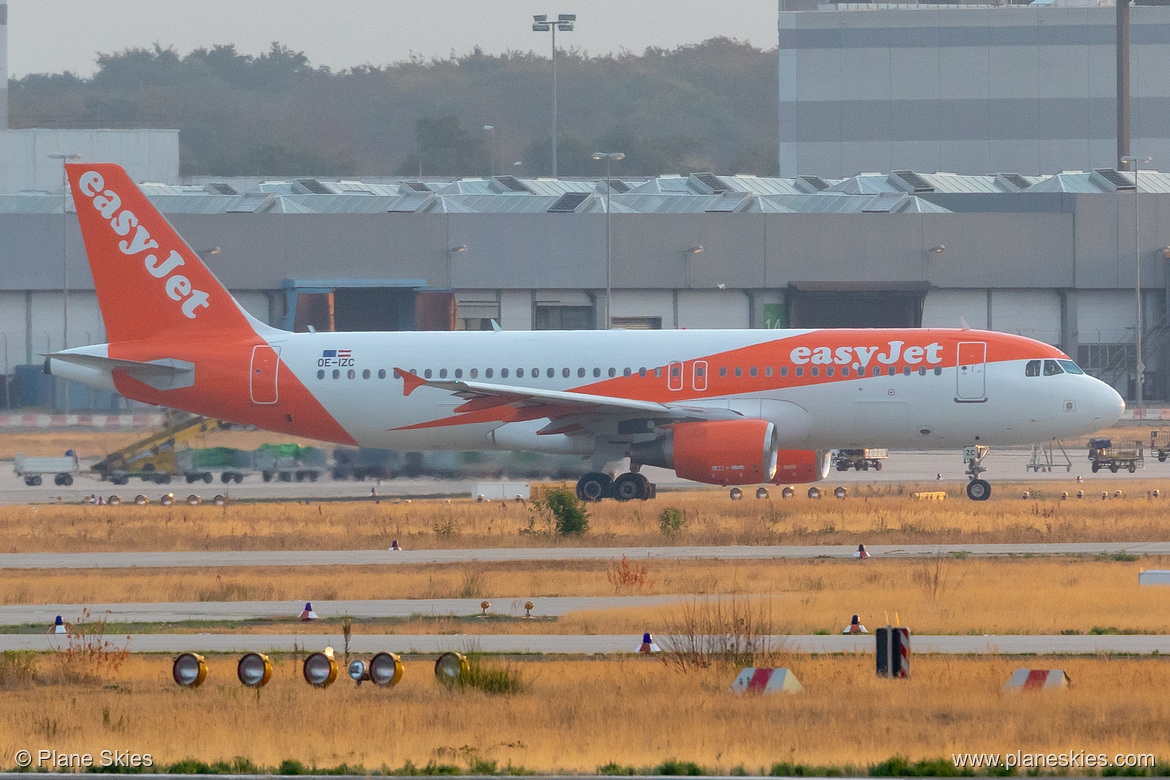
(971, 369)
(699, 376)
(674, 373)
(264, 373)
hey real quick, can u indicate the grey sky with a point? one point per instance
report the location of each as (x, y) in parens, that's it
(50, 36)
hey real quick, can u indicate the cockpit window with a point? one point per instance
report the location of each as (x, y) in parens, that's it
(1051, 368)
(1070, 367)
(1033, 368)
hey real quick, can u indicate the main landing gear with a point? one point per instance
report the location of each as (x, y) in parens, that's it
(630, 486)
(977, 489)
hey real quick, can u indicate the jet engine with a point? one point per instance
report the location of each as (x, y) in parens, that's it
(723, 452)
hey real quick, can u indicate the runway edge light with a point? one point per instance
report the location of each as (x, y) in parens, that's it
(386, 669)
(254, 670)
(189, 670)
(320, 669)
(450, 666)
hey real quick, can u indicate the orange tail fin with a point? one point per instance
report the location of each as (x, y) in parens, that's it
(148, 280)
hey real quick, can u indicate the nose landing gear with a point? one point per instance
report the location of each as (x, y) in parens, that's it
(977, 489)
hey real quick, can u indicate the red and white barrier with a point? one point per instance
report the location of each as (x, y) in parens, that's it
(758, 680)
(1037, 679)
(101, 421)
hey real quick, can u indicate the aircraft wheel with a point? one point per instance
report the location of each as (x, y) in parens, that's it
(643, 487)
(593, 487)
(627, 487)
(978, 490)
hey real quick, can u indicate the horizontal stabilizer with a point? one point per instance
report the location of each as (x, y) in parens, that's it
(162, 374)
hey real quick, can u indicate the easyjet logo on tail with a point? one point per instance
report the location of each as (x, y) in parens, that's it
(177, 286)
(860, 356)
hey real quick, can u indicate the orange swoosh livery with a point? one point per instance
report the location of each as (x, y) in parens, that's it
(731, 407)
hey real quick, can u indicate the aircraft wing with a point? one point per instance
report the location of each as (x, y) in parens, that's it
(569, 412)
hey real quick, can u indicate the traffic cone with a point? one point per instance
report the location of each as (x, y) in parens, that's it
(59, 626)
(308, 614)
(648, 645)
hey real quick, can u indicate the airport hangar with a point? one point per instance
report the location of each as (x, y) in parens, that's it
(1049, 257)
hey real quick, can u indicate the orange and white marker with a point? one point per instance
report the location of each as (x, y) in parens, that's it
(308, 614)
(1037, 679)
(648, 645)
(753, 680)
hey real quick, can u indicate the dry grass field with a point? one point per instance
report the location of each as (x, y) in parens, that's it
(936, 595)
(578, 715)
(883, 514)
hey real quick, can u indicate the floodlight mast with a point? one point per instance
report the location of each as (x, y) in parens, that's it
(564, 23)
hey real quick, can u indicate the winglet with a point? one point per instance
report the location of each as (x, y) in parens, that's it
(496, 326)
(410, 382)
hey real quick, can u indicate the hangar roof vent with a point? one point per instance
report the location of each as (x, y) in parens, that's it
(220, 188)
(1012, 182)
(910, 181)
(569, 203)
(1111, 180)
(709, 184)
(885, 202)
(730, 202)
(252, 203)
(311, 187)
(508, 184)
(417, 186)
(811, 184)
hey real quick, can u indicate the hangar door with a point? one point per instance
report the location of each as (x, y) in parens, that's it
(856, 306)
(328, 305)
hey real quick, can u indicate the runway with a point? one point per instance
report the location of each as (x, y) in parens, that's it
(171, 612)
(595, 644)
(286, 558)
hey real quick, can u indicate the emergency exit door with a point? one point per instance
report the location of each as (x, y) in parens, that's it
(971, 369)
(264, 374)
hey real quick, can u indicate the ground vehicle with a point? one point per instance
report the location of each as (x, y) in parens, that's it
(288, 462)
(1103, 454)
(34, 469)
(860, 460)
(154, 458)
(726, 407)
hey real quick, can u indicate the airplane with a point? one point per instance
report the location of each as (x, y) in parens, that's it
(723, 407)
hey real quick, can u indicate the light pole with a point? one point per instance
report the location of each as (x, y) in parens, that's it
(1134, 162)
(64, 158)
(541, 23)
(492, 130)
(609, 157)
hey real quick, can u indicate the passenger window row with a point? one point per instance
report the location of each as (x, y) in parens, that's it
(753, 371)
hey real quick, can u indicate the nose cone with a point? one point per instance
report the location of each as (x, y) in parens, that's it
(1107, 405)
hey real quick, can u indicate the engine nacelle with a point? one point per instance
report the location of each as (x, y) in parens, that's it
(795, 466)
(723, 452)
